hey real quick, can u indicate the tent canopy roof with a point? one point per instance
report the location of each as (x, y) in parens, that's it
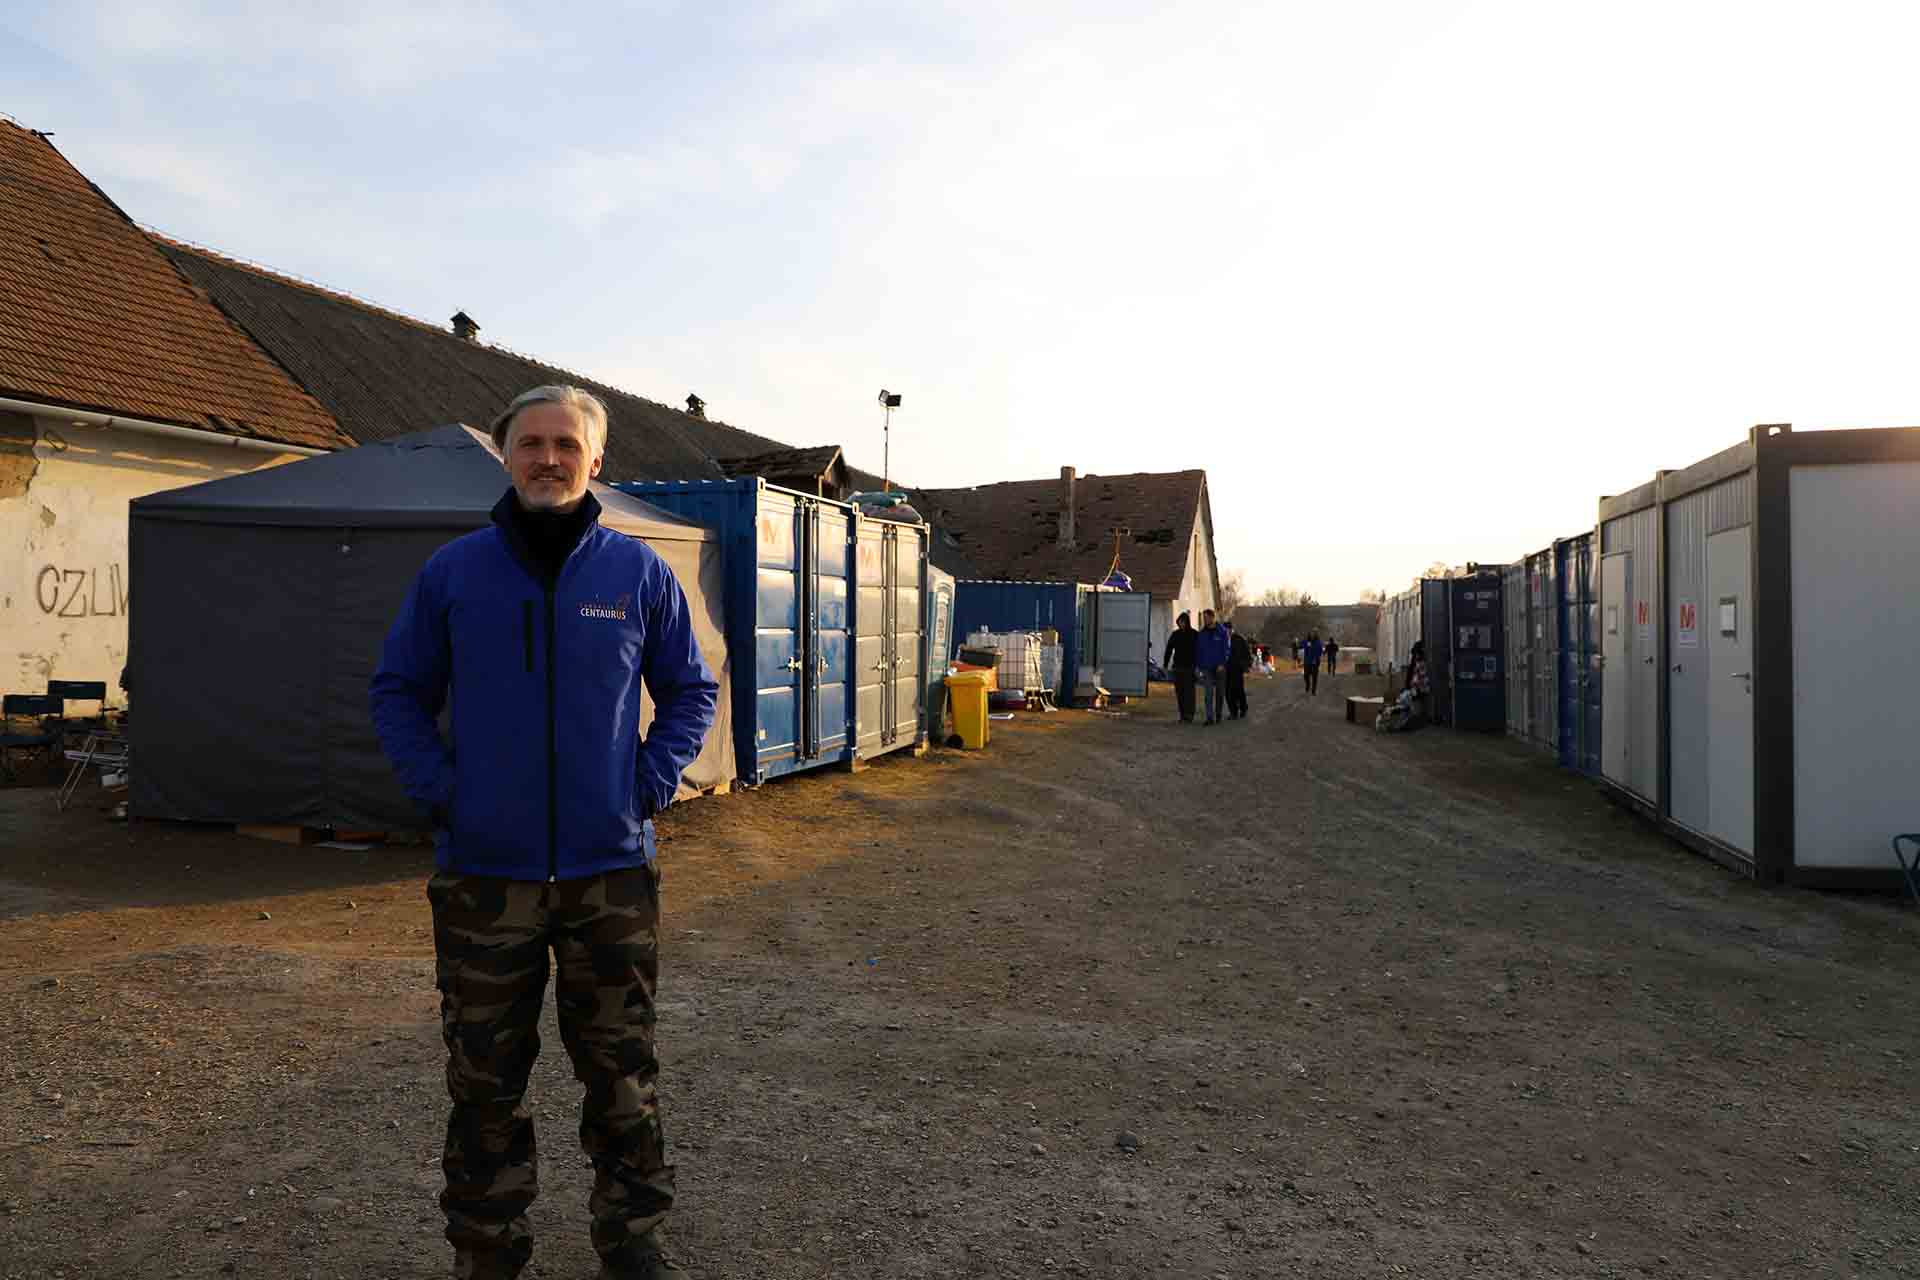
(443, 478)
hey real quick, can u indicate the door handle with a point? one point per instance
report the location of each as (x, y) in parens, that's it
(1678, 667)
(1739, 675)
(793, 664)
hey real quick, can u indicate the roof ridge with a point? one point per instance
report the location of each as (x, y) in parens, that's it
(1081, 477)
(341, 295)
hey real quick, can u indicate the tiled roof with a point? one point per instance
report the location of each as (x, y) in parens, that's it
(384, 374)
(93, 317)
(811, 461)
(1011, 530)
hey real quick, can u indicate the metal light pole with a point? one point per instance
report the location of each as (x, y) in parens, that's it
(889, 401)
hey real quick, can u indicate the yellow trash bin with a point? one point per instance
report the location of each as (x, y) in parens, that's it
(968, 692)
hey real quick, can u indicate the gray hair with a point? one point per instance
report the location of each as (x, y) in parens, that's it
(588, 408)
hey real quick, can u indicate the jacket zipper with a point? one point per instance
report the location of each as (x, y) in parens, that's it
(553, 753)
(526, 631)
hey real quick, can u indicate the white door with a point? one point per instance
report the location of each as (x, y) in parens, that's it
(1121, 636)
(1729, 623)
(1616, 665)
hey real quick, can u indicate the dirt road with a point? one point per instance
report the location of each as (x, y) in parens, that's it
(1119, 997)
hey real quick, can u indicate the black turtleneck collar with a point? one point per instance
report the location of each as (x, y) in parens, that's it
(544, 539)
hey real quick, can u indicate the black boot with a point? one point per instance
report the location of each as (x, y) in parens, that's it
(648, 1261)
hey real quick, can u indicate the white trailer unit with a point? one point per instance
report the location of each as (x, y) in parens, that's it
(1757, 614)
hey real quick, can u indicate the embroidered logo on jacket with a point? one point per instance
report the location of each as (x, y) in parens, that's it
(616, 611)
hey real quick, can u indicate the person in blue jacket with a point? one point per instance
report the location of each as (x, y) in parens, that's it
(1210, 652)
(535, 635)
(1310, 662)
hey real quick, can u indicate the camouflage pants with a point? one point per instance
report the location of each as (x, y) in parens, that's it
(491, 940)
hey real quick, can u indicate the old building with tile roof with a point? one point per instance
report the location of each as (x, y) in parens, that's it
(820, 470)
(117, 378)
(383, 374)
(96, 319)
(1157, 527)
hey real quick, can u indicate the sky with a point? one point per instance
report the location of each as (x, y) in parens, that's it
(1413, 282)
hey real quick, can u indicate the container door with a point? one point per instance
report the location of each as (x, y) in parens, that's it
(909, 612)
(1513, 596)
(1566, 715)
(889, 633)
(811, 660)
(779, 632)
(1729, 627)
(1592, 680)
(832, 657)
(1544, 701)
(870, 634)
(1616, 657)
(1121, 640)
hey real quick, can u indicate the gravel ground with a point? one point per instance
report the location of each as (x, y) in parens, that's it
(1118, 997)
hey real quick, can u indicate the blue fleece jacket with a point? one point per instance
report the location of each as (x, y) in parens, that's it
(546, 776)
(1210, 650)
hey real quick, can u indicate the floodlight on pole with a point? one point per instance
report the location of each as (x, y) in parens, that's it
(889, 401)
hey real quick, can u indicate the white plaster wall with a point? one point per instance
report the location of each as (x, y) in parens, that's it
(1197, 591)
(64, 594)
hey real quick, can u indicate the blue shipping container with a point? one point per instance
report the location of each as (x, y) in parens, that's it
(1577, 666)
(983, 605)
(824, 614)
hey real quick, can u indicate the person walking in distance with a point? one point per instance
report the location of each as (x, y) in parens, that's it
(541, 630)
(1333, 655)
(1239, 662)
(1178, 662)
(1310, 662)
(1210, 649)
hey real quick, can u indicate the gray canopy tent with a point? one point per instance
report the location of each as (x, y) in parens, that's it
(259, 603)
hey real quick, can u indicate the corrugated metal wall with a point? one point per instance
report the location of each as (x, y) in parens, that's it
(1513, 583)
(1542, 645)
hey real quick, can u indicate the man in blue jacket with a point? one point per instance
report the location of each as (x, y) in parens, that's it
(540, 631)
(1310, 662)
(1210, 660)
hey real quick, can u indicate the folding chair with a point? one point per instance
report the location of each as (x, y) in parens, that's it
(45, 711)
(111, 753)
(79, 691)
(1909, 867)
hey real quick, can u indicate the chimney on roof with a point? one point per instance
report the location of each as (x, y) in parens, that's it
(1066, 506)
(464, 326)
(696, 407)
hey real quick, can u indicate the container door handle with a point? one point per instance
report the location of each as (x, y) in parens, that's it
(793, 664)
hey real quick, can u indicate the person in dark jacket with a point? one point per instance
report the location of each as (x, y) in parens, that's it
(1333, 656)
(540, 631)
(1239, 662)
(1210, 649)
(1310, 662)
(1179, 664)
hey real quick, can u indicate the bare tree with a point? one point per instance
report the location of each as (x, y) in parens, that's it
(1280, 597)
(1373, 595)
(1292, 618)
(1232, 592)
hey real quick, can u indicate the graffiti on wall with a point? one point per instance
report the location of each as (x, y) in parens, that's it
(66, 592)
